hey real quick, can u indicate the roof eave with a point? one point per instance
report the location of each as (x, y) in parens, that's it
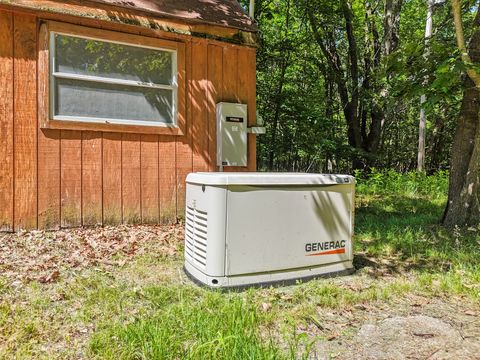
(91, 9)
(252, 27)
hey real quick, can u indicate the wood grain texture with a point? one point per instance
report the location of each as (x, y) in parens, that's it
(247, 95)
(150, 179)
(133, 129)
(25, 122)
(230, 75)
(131, 179)
(112, 178)
(182, 88)
(252, 109)
(92, 178)
(116, 36)
(6, 121)
(71, 178)
(48, 148)
(48, 179)
(122, 20)
(183, 144)
(215, 87)
(43, 65)
(199, 107)
(167, 180)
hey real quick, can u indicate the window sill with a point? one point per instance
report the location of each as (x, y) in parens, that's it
(97, 126)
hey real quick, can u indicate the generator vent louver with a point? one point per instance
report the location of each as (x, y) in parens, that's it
(196, 235)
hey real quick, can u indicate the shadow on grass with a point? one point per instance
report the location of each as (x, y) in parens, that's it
(401, 233)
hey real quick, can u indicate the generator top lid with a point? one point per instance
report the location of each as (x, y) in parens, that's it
(266, 178)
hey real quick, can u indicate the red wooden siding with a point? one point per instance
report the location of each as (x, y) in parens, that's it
(6, 121)
(66, 178)
(49, 179)
(48, 155)
(183, 144)
(25, 121)
(198, 104)
(71, 178)
(131, 179)
(92, 178)
(112, 178)
(167, 175)
(215, 76)
(150, 181)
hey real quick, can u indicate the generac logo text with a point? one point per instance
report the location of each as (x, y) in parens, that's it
(325, 248)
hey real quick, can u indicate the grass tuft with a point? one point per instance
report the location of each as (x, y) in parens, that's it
(188, 323)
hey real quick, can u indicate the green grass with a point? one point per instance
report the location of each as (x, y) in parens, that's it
(398, 220)
(189, 324)
(148, 310)
(396, 228)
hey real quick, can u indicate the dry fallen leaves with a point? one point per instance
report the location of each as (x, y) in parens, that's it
(266, 306)
(54, 275)
(43, 255)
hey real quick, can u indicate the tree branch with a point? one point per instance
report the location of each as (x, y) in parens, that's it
(457, 18)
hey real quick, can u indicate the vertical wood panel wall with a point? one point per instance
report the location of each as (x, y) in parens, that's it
(64, 178)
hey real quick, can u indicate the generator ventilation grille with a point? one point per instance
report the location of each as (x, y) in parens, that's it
(196, 235)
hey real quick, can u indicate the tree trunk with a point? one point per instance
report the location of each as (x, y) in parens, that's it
(423, 120)
(362, 135)
(391, 25)
(463, 207)
(391, 29)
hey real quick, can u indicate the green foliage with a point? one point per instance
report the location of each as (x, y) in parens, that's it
(189, 324)
(397, 218)
(291, 91)
(410, 184)
(300, 104)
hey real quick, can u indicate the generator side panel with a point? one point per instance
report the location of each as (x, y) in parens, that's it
(205, 228)
(274, 229)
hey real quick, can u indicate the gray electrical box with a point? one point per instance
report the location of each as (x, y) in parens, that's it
(231, 134)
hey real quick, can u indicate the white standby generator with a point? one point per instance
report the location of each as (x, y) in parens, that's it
(253, 228)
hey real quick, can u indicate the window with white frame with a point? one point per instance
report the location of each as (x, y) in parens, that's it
(98, 81)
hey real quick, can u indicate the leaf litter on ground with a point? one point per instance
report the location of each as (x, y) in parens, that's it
(43, 255)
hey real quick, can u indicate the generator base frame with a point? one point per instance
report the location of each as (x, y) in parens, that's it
(270, 279)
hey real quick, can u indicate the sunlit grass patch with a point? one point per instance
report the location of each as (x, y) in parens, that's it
(189, 323)
(398, 219)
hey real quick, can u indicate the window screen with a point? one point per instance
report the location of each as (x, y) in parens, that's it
(100, 81)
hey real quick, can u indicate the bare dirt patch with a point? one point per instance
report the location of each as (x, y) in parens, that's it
(427, 337)
(415, 327)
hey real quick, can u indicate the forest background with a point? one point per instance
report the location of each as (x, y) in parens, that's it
(354, 85)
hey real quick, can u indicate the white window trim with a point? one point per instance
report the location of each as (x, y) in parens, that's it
(98, 79)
